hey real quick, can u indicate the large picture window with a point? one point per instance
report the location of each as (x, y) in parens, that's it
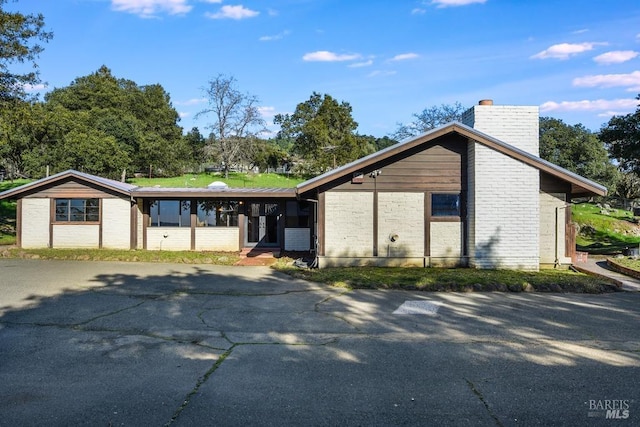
(217, 213)
(445, 204)
(77, 210)
(170, 213)
(297, 214)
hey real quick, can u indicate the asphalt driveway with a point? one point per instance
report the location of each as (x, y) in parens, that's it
(99, 343)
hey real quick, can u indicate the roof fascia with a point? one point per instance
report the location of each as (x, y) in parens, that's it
(528, 158)
(468, 132)
(43, 182)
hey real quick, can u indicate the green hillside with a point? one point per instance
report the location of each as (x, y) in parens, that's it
(605, 230)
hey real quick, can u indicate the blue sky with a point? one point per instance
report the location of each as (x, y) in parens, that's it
(389, 59)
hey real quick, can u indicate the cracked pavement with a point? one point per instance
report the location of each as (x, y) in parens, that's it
(108, 343)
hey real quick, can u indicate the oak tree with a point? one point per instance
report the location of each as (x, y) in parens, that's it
(20, 42)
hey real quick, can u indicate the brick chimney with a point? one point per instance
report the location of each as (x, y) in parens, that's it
(515, 125)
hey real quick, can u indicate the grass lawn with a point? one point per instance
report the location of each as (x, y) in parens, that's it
(602, 233)
(452, 280)
(182, 257)
(629, 262)
(235, 180)
(412, 278)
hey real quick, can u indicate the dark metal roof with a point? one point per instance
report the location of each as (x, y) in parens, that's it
(580, 184)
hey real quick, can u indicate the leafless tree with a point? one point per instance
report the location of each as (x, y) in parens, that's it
(235, 119)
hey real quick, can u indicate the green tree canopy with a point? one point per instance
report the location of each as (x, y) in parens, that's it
(323, 132)
(20, 38)
(577, 149)
(622, 137)
(139, 120)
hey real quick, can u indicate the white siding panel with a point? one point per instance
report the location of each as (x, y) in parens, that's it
(35, 223)
(76, 236)
(445, 239)
(401, 215)
(552, 228)
(169, 238)
(225, 239)
(297, 239)
(349, 224)
(116, 224)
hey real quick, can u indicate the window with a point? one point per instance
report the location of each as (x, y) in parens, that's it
(297, 215)
(77, 210)
(445, 204)
(217, 213)
(170, 213)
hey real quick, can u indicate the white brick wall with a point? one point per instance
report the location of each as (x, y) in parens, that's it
(503, 193)
(504, 211)
(177, 238)
(445, 239)
(116, 224)
(76, 236)
(297, 239)
(401, 214)
(35, 223)
(515, 125)
(225, 239)
(349, 224)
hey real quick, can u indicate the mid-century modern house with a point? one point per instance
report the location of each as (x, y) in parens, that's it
(474, 193)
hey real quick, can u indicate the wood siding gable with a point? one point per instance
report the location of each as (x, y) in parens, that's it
(438, 165)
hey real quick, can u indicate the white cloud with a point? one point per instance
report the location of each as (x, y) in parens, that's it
(233, 12)
(631, 81)
(379, 73)
(453, 3)
(279, 36)
(418, 11)
(192, 101)
(183, 114)
(267, 112)
(590, 105)
(326, 56)
(361, 64)
(615, 57)
(35, 88)
(405, 56)
(150, 8)
(565, 50)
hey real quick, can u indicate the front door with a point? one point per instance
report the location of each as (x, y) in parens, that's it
(262, 225)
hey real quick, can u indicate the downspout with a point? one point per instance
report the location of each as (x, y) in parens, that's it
(315, 243)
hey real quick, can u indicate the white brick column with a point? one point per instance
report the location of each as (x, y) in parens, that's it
(504, 209)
